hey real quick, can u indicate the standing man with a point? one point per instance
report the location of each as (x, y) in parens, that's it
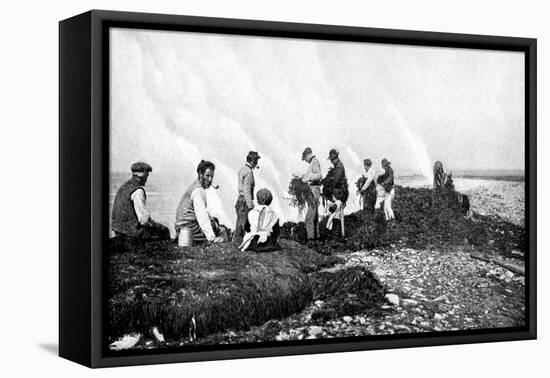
(245, 201)
(368, 190)
(193, 223)
(335, 191)
(313, 178)
(130, 217)
(386, 182)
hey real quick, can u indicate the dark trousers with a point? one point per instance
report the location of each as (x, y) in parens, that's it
(242, 225)
(152, 231)
(369, 200)
(312, 213)
(271, 244)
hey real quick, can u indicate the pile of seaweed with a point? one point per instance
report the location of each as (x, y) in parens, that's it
(424, 218)
(346, 292)
(203, 290)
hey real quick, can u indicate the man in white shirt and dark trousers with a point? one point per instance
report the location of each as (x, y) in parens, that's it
(193, 223)
(130, 217)
(245, 200)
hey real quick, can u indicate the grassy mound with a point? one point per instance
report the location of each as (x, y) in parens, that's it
(424, 218)
(156, 284)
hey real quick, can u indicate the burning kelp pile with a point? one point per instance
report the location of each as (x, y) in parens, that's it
(423, 218)
(203, 290)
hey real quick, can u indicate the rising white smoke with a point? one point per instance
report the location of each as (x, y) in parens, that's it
(178, 98)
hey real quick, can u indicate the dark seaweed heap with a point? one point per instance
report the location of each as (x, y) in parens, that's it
(424, 218)
(346, 292)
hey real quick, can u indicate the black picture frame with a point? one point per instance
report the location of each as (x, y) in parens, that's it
(84, 167)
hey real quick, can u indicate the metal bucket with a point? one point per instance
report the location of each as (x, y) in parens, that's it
(185, 238)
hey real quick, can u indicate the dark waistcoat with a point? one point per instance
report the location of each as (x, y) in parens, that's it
(124, 218)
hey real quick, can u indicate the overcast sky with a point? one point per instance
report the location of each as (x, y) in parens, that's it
(178, 97)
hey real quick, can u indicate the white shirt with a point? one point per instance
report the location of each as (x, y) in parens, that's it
(198, 196)
(138, 198)
(259, 225)
(371, 175)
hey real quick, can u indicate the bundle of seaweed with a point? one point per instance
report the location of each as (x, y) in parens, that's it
(360, 182)
(211, 288)
(424, 218)
(300, 193)
(335, 187)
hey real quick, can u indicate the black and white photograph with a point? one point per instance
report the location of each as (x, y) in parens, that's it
(289, 191)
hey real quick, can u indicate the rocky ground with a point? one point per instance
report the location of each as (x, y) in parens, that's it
(505, 199)
(431, 289)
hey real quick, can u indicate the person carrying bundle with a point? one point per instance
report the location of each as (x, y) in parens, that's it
(385, 190)
(368, 190)
(335, 192)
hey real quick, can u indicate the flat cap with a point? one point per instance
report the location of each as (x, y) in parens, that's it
(141, 167)
(306, 152)
(385, 162)
(333, 154)
(253, 155)
(367, 162)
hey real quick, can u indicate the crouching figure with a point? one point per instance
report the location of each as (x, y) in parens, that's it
(264, 226)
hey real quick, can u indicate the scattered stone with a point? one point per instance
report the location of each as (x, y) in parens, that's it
(393, 299)
(125, 342)
(315, 331)
(402, 327)
(347, 319)
(409, 302)
(441, 298)
(438, 317)
(158, 336)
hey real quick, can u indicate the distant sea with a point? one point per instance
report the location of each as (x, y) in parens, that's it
(163, 194)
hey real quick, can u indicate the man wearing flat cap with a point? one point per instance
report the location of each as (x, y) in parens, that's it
(313, 178)
(130, 217)
(385, 189)
(245, 200)
(335, 192)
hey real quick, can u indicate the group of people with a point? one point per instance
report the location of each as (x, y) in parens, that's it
(378, 190)
(257, 225)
